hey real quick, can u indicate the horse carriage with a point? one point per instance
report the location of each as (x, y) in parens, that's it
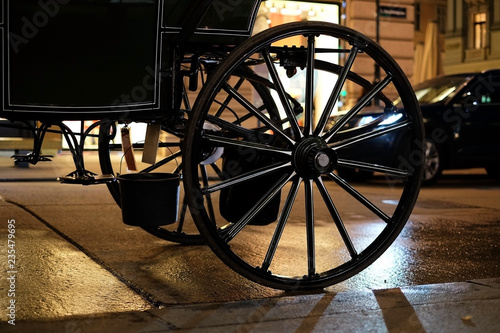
(243, 133)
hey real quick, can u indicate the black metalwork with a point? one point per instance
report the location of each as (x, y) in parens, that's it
(35, 156)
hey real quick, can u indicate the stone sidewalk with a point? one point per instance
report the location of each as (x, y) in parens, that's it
(472, 306)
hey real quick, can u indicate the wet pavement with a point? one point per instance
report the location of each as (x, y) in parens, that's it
(453, 307)
(77, 263)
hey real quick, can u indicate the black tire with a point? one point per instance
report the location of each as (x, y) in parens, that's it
(278, 157)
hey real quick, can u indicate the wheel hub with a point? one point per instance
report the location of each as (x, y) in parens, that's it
(312, 158)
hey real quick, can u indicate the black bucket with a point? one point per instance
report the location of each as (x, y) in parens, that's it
(149, 199)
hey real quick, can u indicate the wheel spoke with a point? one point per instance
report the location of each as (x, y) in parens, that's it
(282, 94)
(245, 177)
(400, 173)
(351, 76)
(336, 91)
(336, 218)
(228, 99)
(163, 162)
(356, 108)
(309, 98)
(225, 142)
(210, 206)
(257, 113)
(309, 210)
(358, 196)
(285, 214)
(217, 170)
(233, 127)
(182, 216)
(266, 198)
(369, 135)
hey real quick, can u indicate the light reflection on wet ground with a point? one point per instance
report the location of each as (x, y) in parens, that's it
(53, 278)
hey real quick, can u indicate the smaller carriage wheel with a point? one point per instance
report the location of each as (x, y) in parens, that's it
(286, 219)
(169, 159)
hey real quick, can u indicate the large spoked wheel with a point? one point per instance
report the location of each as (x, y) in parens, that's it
(285, 218)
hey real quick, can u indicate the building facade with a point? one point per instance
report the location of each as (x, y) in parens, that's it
(395, 28)
(472, 41)
(436, 36)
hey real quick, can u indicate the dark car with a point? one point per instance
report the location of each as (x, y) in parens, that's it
(461, 115)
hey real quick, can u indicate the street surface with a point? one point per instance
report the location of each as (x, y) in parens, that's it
(74, 256)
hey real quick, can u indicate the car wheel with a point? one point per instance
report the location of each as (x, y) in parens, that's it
(433, 163)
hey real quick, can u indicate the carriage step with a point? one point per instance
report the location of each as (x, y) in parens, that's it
(31, 158)
(87, 179)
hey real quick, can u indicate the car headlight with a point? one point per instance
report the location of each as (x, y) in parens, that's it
(366, 119)
(390, 120)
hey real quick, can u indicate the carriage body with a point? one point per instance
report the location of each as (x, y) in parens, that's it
(85, 59)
